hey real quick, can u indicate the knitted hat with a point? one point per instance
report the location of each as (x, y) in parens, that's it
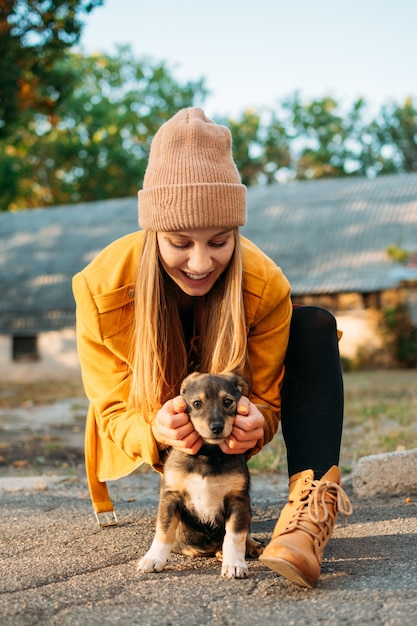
(191, 180)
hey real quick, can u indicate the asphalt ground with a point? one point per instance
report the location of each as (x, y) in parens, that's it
(58, 567)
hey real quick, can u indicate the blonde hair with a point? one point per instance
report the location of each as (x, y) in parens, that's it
(159, 354)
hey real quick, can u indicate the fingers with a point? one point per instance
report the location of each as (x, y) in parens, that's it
(250, 423)
(173, 428)
(179, 404)
(232, 445)
(248, 429)
(243, 406)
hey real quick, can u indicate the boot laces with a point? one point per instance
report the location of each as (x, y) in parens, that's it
(320, 495)
(314, 509)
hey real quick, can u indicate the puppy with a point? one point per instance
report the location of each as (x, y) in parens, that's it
(204, 499)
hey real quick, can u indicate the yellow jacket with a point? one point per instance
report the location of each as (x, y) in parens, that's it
(117, 439)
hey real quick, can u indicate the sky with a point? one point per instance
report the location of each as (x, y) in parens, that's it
(254, 54)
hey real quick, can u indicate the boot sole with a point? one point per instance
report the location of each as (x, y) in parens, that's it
(287, 570)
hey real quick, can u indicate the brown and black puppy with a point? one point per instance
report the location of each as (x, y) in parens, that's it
(204, 501)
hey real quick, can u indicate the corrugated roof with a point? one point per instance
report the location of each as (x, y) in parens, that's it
(329, 236)
(41, 249)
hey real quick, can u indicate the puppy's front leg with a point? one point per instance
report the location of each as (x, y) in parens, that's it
(166, 525)
(234, 543)
(234, 564)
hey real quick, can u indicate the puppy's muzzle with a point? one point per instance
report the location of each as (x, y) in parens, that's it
(217, 428)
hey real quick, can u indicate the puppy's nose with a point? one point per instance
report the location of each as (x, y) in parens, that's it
(216, 428)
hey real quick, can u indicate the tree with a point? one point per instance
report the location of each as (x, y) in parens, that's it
(327, 141)
(367, 156)
(395, 128)
(34, 35)
(260, 146)
(319, 133)
(96, 145)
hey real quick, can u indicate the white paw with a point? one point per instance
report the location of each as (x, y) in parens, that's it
(234, 564)
(234, 571)
(149, 564)
(155, 559)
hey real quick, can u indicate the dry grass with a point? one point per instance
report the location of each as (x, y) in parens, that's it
(380, 413)
(380, 416)
(13, 395)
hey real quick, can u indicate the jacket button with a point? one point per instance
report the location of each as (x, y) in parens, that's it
(131, 293)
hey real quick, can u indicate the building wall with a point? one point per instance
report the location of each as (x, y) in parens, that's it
(57, 359)
(360, 334)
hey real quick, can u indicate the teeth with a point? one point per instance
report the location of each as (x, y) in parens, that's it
(196, 276)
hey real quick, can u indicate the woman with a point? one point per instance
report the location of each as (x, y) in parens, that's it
(188, 293)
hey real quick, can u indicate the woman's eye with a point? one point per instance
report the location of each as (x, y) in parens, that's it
(217, 244)
(179, 246)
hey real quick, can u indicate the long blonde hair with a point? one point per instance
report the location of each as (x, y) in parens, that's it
(159, 354)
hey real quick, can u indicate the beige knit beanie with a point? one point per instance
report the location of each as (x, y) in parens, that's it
(191, 180)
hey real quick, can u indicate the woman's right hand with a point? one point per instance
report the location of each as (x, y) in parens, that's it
(172, 427)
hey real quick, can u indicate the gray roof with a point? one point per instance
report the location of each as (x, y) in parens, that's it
(329, 236)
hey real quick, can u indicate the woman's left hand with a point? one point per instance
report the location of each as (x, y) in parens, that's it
(248, 428)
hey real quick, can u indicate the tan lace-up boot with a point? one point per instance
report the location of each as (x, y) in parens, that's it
(305, 526)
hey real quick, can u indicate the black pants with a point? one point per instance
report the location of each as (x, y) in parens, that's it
(312, 393)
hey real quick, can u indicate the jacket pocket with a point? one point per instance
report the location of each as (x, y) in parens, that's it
(116, 310)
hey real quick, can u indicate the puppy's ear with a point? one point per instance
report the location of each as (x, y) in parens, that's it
(239, 382)
(188, 380)
(242, 385)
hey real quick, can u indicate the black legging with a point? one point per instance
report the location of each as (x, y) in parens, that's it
(312, 392)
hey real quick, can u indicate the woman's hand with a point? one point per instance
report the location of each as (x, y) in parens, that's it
(248, 428)
(172, 427)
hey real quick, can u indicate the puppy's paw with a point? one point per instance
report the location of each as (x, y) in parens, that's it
(234, 564)
(155, 559)
(234, 571)
(254, 548)
(148, 565)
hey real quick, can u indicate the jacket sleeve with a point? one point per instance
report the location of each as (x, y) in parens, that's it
(106, 375)
(267, 345)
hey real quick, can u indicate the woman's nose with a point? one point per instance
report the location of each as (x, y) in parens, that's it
(200, 261)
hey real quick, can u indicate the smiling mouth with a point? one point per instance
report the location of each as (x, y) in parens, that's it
(196, 276)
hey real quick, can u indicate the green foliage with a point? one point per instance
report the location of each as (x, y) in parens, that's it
(396, 130)
(402, 334)
(397, 254)
(332, 141)
(34, 35)
(260, 146)
(96, 144)
(321, 131)
(322, 139)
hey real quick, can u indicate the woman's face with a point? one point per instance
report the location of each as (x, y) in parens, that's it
(195, 259)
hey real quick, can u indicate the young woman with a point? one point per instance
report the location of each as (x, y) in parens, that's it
(189, 293)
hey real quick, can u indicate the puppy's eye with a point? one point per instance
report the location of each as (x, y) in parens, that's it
(197, 404)
(227, 402)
